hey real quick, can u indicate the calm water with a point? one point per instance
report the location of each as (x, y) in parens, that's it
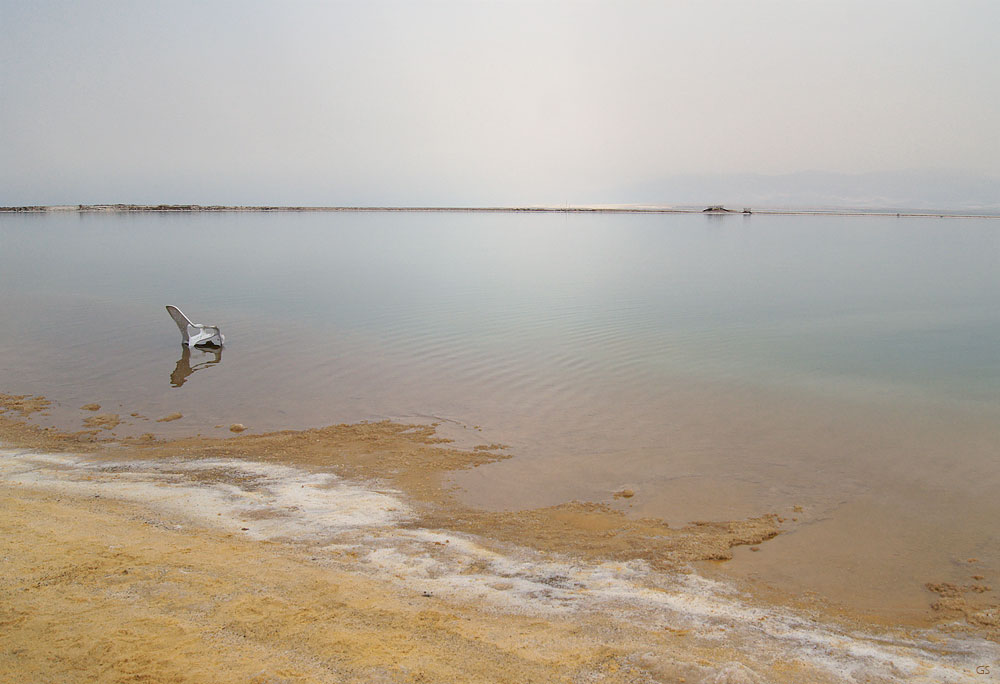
(720, 366)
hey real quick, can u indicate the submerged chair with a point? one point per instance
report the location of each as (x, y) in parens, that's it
(195, 334)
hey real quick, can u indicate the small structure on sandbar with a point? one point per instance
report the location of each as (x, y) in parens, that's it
(715, 209)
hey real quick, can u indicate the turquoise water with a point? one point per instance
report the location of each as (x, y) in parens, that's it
(878, 304)
(720, 365)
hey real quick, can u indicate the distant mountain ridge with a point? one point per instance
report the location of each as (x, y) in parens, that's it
(918, 190)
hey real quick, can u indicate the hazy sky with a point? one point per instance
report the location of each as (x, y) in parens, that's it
(462, 102)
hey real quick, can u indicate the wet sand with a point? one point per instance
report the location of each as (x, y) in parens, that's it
(335, 554)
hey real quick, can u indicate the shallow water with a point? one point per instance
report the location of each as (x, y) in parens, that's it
(720, 366)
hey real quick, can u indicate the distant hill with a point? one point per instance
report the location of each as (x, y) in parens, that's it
(920, 190)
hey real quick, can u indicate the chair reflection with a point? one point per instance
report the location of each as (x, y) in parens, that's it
(203, 359)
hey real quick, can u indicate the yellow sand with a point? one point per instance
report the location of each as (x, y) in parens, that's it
(100, 590)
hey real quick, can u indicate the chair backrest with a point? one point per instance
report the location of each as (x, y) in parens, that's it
(180, 319)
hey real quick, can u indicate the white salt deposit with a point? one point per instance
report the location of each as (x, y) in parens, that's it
(277, 502)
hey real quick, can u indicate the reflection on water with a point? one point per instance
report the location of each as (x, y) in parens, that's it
(204, 357)
(719, 366)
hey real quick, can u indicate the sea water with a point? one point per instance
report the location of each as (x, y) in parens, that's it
(840, 371)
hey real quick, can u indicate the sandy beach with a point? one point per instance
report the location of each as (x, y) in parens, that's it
(632, 343)
(335, 554)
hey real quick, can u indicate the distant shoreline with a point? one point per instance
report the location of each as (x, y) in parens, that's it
(126, 208)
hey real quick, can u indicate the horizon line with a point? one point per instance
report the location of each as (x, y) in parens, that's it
(716, 210)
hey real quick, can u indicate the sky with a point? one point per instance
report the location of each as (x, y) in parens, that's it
(410, 102)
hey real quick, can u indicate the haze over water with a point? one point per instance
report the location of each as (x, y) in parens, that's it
(719, 366)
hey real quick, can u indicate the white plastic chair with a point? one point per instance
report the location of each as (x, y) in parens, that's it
(195, 334)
